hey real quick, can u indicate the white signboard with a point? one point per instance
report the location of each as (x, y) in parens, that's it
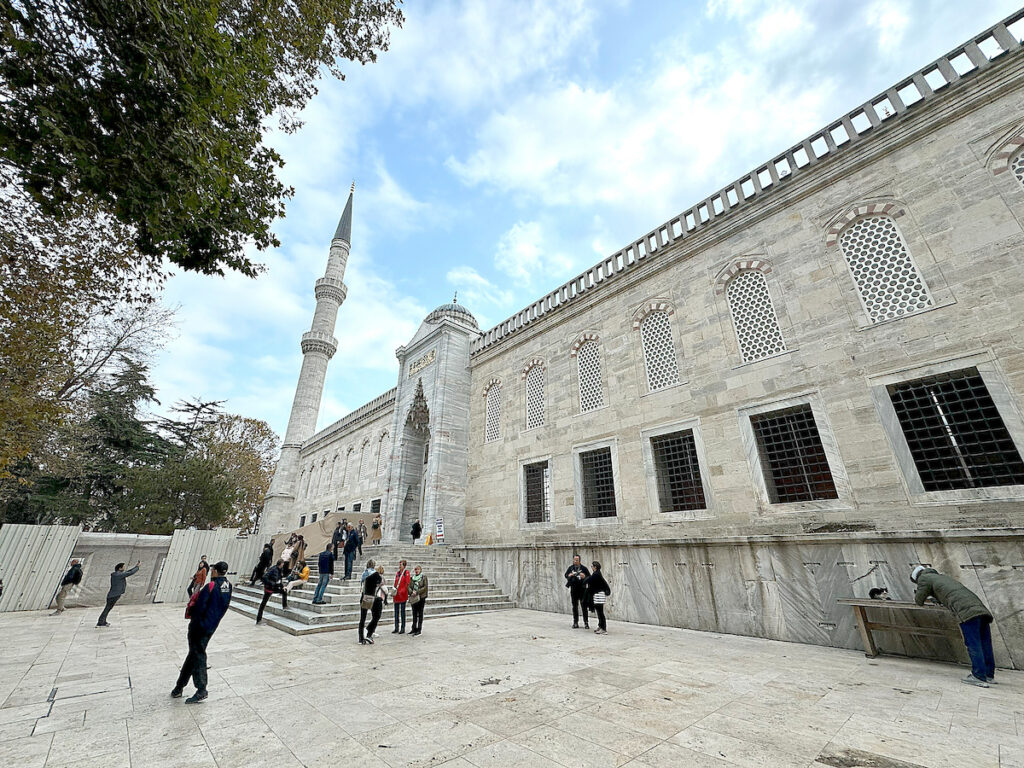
(439, 530)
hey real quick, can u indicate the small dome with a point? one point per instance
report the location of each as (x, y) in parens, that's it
(453, 310)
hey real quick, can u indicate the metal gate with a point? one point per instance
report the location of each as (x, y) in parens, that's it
(33, 559)
(187, 546)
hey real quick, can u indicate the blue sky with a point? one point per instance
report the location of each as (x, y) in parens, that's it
(499, 148)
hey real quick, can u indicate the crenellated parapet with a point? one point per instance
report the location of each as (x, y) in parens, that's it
(330, 288)
(317, 341)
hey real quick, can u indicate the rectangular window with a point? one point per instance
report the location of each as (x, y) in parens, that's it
(356, 507)
(955, 433)
(537, 481)
(375, 507)
(302, 521)
(792, 456)
(677, 472)
(598, 483)
(313, 518)
(341, 509)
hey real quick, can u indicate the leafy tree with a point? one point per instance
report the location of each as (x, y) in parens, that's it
(156, 110)
(247, 450)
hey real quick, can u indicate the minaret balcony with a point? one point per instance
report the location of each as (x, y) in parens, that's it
(330, 288)
(318, 341)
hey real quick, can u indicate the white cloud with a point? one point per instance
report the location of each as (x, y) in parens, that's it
(779, 27)
(890, 19)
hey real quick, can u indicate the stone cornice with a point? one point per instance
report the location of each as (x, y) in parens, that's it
(361, 414)
(316, 341)
(328, 287)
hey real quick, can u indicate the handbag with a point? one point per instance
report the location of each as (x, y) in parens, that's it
(366, 602)
(414, 598)
(598, 598)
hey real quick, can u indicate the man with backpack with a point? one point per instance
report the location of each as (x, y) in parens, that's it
(71, 579)
(204, 613)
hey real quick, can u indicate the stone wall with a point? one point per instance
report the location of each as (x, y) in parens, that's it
(781, 587)
(100, 552)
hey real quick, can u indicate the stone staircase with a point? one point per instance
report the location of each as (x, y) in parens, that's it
(456, 589)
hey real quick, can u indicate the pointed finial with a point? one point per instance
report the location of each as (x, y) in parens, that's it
(353, 187)
(344, 230)
(455, 299)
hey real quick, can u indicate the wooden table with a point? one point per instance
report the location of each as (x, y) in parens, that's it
(860, 606)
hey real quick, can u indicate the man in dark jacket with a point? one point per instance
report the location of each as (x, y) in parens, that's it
(273, 581)
(974, 618)
(71, 579)
(352, 542)
(337, 538)
(326, 567)
(574, 577)
(206, 613)
(118, 585)
(266, 558)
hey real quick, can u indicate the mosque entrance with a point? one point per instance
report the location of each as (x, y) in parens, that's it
(413, 472)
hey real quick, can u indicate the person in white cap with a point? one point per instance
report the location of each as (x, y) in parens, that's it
(974, 618)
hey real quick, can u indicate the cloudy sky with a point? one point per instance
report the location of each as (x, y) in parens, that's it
(498, 148)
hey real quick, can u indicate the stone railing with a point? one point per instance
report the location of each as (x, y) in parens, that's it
(361, 413)
(927, 84)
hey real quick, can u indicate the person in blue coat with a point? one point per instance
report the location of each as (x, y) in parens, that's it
(204, 617)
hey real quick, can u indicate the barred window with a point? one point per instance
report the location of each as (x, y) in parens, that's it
(356, 507)
(537, 486)
(1017, 166)
(375, 507)
(589, 361)
(792, 457)
(535, 397)
(678, 472)
(886, 277)
(492, 417)
(383, 453)
(302, 520)
(753, 316)
(659, 351)
(313, 518)
(955, 433)
(598, 483)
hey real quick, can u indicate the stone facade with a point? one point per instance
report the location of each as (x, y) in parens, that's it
(884, 250)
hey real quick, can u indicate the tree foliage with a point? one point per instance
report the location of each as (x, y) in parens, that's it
(156, 110)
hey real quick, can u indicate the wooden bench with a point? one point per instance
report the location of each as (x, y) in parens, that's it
(860, 606)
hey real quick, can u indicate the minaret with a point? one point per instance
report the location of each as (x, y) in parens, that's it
(318, 347)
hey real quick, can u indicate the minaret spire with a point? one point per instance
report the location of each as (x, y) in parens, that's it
(318, 347)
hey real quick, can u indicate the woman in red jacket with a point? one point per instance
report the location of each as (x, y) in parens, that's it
(402, 579)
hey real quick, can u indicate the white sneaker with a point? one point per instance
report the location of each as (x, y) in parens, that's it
(972, 680)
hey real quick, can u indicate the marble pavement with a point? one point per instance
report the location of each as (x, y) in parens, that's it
(513, 688)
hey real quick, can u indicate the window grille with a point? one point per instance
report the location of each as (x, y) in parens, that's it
(678, 472)
(598, 483)
(375, 507)
(885, 275)
(535, 397)
(356, 507)
(537, 479)
(383, 454)
(302, 521)
(955, 433)
(1017, 166)
(659, 351)
(313, 518)
(492, 418)
(792, 457)
(753, 316)
(589, 360)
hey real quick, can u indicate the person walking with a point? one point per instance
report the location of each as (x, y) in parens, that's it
(575, 576)
(376, 530)
(416, 530)
(418, 599)
(373, 598)
(204, 616)
(266, 558)
(361, 530)
(337, 538)
(597, 593)
(71, 579)
(402, 580)
(199, 578)
(325, 564)
(272, 582)
(118, 585)
(974, 618)
(351, 547)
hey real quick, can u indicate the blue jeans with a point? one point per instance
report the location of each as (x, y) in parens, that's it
(978, 639)
(321, 587)
(350, 558)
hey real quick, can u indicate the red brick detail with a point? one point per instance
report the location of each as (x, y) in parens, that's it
(490, 384)
(580, 341)
(891, 210)
(660, 305)
(1001, 160)
(736, 267)
(532, 364)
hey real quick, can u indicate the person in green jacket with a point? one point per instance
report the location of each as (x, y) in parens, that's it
(974, 618)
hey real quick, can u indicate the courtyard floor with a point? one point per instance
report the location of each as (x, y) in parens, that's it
(512, 688)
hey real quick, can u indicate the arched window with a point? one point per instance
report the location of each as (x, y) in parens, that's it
(330, 480)
(535, 396)
(383, 453)
(659, 351)
(302, 479)
(492, 412)
(753, 316)
(588, 358)
(309, 479)
(361, 468)
(344, 469)
(1017, 167)
(320, 476)
(883, 271)
(367, 462)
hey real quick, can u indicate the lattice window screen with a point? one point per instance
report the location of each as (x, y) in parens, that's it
(383, 454)
(492, 417)
(344, 468)
(885, 275)
(659, 351)
(753, 316)
(589, 360)
(535, 397)
(1017, 166)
